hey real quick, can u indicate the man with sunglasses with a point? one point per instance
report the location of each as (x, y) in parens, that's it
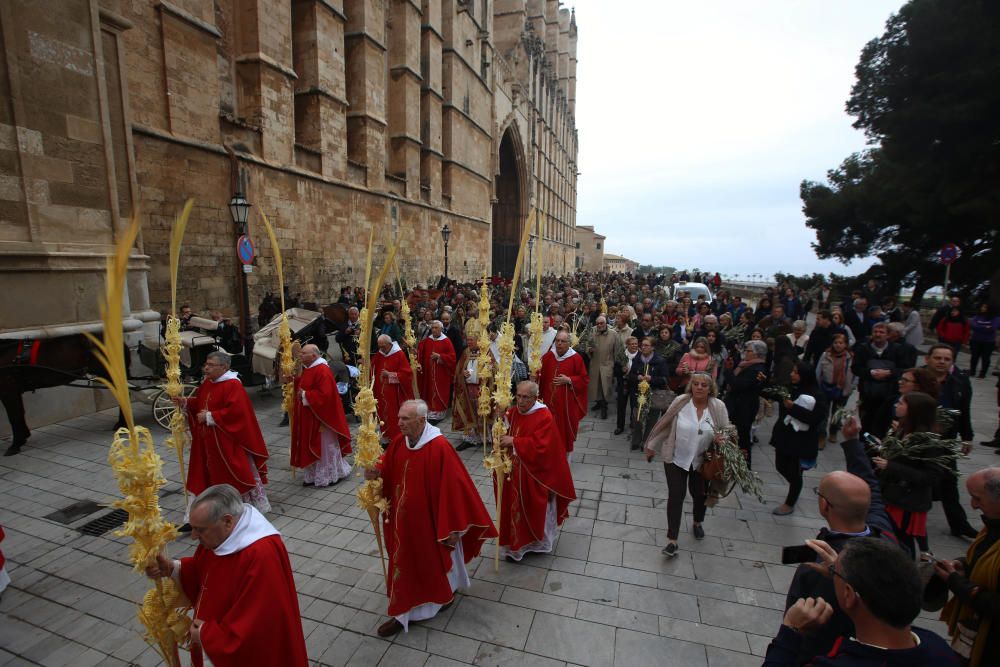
(851, 503)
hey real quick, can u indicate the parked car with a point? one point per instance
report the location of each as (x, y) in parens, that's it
(693, 290)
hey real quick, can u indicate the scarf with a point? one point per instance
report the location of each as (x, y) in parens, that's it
(839, 367)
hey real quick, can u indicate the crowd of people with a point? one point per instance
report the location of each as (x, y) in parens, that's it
(676, 372)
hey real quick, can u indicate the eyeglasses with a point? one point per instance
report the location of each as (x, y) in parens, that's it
(817, 492)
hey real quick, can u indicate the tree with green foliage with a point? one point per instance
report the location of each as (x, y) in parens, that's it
(927, 97)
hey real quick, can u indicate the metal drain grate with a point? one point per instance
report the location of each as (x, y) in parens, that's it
(103, 524)
(74, 512)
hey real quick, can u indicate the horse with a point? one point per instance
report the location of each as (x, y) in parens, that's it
(27, 365)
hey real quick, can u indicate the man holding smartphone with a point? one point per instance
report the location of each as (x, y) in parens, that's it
(851, 503)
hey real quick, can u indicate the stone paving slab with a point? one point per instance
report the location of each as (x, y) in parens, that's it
(606, 596)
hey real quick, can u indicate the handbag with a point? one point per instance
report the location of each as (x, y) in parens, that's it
(713, 464)
(660, 399)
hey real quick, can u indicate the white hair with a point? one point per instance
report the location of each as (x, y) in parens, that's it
(418, 405)
(221, 357)
(223, 499)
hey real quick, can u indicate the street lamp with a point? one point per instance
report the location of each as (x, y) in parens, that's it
(445, 234)
(531, 245)
(239, 209)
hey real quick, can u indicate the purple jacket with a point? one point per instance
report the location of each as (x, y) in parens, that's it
(984, 328)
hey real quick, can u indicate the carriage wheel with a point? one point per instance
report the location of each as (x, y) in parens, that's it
(163, 407)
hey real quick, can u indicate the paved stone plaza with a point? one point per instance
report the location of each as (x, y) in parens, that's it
(605, 597)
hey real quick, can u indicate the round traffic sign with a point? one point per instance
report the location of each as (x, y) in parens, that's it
(244, 249)
(949, 253)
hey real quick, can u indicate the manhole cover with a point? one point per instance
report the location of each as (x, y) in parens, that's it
(103, 524)
(71, 513)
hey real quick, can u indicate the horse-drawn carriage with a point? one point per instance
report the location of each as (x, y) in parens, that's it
(28, 365)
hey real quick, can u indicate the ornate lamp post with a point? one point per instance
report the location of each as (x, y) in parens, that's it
(531, 245)
(445, 234)
(239, 209)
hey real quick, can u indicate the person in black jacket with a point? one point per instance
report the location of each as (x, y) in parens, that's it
(746, 381)
(653, 368)
(820, 338)
(955, 394)
(879, 590)
(908, 479)
(796, 432)
(851, 504)
(877, 366)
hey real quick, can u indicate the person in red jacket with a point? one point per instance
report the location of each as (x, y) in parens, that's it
(320, 435)
(563, 381)
(953, 329)
(246, 611)
(535, 502)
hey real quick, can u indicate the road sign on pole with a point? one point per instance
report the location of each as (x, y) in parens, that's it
(949, 253)
(245, 250)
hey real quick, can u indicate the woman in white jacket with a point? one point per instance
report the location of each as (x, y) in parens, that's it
(682, 435)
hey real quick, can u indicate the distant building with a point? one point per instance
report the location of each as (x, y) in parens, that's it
(619, 264)
(589, 249)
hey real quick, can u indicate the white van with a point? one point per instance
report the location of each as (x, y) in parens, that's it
(694, 290)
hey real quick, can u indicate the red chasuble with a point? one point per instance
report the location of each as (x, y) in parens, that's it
(392, 393)
(539, 468)
(248, 602)
(324, 410)
(430, 496)
(219, 453)
(434, 377)
(568, 402)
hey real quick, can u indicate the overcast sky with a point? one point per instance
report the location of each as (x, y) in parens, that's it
(699, 119)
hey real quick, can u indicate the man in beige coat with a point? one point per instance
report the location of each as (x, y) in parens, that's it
(604, 348)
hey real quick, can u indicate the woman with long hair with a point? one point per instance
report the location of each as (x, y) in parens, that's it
(836, 380)
(796, 432)
(682, 435)
(909, 462)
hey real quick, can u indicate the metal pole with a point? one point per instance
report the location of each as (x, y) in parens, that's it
(446, 260)
(947, 277)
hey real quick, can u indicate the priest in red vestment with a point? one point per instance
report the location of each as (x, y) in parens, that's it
(436, 522)
(437, 360)
(320, 435)
(563, 381)
(246, 610)
(537, 495)
(226, 443)
(393, 384)
(468, 385)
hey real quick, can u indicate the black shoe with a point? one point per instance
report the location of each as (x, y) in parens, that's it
(308, 484)
(284, 420)
(698, 531)
(596, 407)
(604, 412)
(390, 628)
(186, 528)
(465, 444)
(966, 531)
(990, 443)
(670, 550)
(619, 430)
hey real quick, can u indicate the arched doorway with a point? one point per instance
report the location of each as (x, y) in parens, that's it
(508, 211)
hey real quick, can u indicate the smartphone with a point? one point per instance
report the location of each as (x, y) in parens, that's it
(797, 554)
(872, 441)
